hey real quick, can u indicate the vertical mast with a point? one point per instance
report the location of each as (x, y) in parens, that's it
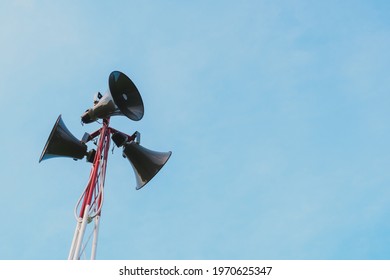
(90, 203)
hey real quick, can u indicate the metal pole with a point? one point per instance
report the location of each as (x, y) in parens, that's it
(75, 238)
(76, 254)
(95, 237)
(92, 196)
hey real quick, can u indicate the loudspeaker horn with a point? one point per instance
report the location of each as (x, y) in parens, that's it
(146, 163)
(62, 143)
(121, 98)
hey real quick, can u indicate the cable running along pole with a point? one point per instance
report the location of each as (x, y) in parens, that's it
(92, 198)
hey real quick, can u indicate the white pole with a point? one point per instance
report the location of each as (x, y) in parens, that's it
(75, 238)
(81, 233)
(95, 237)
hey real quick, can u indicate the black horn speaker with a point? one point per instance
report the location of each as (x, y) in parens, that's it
(146, 163)
(62, 143)
(121, 98)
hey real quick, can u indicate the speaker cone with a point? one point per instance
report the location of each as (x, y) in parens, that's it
(146, 163)
(62, 143)
(126, 96)
(121, 98)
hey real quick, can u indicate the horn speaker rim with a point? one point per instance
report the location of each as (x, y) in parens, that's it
(126, 95)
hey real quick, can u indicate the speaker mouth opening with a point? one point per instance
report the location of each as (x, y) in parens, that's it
(126, 96)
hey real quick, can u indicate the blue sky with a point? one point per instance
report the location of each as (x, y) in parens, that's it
(276, 113)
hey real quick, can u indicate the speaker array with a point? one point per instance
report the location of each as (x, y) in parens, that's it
(121, 98)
